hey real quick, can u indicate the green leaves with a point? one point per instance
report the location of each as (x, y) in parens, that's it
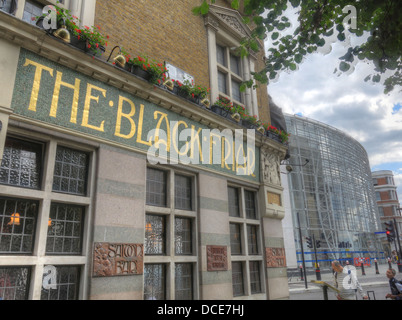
(318, 22)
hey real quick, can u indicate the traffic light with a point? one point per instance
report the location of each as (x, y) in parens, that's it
(318, 243)
(389, 230)
(309, 242)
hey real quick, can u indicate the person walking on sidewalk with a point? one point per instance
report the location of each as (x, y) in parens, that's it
(395, 285)
(346, 282)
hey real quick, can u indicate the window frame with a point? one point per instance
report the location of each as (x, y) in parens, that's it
(171, 213)
(46, 196)
(246, 256)
(230, 75)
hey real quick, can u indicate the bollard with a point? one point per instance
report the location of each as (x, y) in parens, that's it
(363, 273)
(301, 273)
(376, 267)
(318, 272)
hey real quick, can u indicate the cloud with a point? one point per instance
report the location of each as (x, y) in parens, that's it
(347, 103)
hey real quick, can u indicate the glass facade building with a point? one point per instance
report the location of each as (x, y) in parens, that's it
(332, 193)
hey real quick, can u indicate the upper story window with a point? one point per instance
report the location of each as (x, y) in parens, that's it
(32, 9)
(28, 10)
(229, 74)
(228, 70)
(8, 6)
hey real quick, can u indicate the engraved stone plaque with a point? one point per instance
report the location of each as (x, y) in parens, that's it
(276, 257)
(217, 258)
(118, 259)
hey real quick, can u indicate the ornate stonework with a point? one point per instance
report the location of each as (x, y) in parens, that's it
(116, 259)
(270, 167)
(276, 257)
(233, 23)
(217, 258)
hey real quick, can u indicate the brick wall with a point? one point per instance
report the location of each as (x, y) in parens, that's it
(165, 30)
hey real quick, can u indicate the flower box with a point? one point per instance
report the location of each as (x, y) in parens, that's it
(247, 124)
(139, 72)
(184, 94)
(273, 136)
(219, 110)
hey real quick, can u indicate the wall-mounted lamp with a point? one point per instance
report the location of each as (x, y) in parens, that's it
(289, 166)
(120, 60)
(62, 33)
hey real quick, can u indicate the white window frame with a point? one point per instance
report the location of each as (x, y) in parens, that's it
(83, 9)
(220, 32)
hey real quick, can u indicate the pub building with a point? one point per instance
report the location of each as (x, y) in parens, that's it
(116, 187)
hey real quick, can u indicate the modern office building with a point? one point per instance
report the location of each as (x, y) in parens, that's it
(117, 186)
(330, 189)
(388, 206)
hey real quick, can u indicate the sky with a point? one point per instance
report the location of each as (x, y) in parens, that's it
(346, 102)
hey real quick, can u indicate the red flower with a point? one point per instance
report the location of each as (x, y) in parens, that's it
(89, 46)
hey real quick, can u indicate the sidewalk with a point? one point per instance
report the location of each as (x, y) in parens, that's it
(371, 278)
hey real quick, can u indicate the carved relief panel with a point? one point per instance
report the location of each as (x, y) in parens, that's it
(217, 258)
(117, 259)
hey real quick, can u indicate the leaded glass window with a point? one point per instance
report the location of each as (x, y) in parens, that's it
(155, 237)
(252, 239)
(21, 164)
(14, 283)
(64, 234)
(183, 281)
(156, 187)
(17, 222)
(235, 238)
(237, 279)
(154, 282)
(255, 277)
(251, 212)
(233, 197)
(182, 192)
(70, 171)
(60, 283)
(183, 243)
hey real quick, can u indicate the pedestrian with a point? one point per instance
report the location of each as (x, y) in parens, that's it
(395, 285)
(346, 282)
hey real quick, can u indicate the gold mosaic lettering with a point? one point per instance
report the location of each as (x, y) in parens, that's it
(128, 116)
(56, 93)
(88, 99)
(37, 80)
(139, 131)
